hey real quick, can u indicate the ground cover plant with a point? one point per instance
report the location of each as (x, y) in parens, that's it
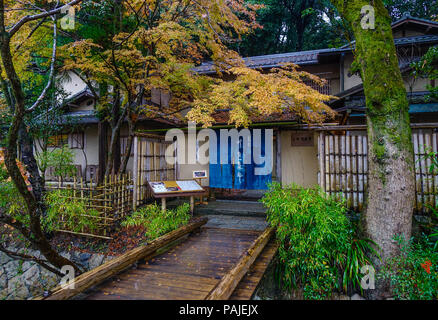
(157, 222)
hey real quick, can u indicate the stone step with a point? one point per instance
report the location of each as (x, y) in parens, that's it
(226, 207)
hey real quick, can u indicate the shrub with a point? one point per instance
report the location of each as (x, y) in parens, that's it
(413, 274)
(318, 250)
(157, 222)
(75, 213)
(61, 159)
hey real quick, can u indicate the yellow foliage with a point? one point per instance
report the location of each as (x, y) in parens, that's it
(255, 93)
(165, 47)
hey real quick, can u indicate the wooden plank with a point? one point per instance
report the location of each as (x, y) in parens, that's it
(113, 267)
(226, 286)
(249, 283)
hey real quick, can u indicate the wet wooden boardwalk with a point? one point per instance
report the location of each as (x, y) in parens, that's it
(190, 270)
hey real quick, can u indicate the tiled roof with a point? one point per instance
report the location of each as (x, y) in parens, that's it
(308, 57)
(272, 60)
(428, 38)
(222, 117)
(80, 117)
(408, 18)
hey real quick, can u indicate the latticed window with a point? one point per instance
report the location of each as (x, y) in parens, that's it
(76, 140)
(58, 141)
(325, 89)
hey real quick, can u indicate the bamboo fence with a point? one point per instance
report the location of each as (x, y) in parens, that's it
(150, 165)
(112, 200)
(343, 167)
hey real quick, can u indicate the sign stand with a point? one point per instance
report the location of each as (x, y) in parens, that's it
(200, 175)
(181, 188)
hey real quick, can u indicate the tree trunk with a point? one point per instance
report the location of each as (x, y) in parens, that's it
(28, 159)
(391, 186)
(114, 153)
(128, 148)
(33, 206)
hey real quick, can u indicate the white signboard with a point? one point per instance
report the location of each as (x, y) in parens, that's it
(175, 186)
(189, 185)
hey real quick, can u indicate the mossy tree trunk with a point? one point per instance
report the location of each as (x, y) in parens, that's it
(391, 185)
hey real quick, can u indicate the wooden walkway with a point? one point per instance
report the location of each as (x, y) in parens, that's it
(190, 270)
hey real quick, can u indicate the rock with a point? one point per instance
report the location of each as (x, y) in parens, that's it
(84, 257)
(95, 261)
(31, 276)
(357, 297)
(48, 279)
(3, 279)
(12, 268)
(27, 265)
(4, 258)
(20, 293)
(3, 294)
(66, 255)
(15, 284)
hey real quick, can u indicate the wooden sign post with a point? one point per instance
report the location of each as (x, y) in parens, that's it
(182, 188)
(200, 175)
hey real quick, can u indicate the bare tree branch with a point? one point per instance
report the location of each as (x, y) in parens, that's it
(21, 256)
(52, 72)
(29, 18)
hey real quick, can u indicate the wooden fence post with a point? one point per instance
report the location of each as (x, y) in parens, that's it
(135, 173)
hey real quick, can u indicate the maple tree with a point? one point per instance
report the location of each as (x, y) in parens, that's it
(18, 24)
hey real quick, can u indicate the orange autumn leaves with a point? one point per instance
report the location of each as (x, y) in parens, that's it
(255, 93)
(19, 164)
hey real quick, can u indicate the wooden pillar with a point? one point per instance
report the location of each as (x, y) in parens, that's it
(321, 154)
(163, 205)
(192, 204)
(135, 173)
(278, 157)
(103, 149)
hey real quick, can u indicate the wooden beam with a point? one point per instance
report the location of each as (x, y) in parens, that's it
(224, 289)
(117, 265)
